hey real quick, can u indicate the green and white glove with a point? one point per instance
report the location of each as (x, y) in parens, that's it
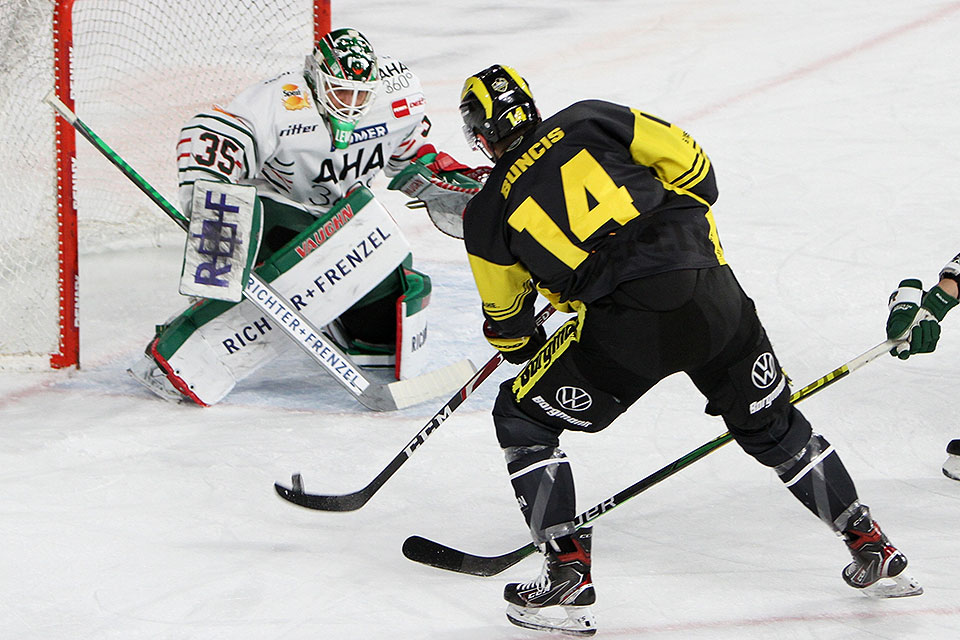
(915, 316)
(441, 185)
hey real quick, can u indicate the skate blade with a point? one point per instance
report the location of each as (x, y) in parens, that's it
(901, 586)
(578, 623)
(157, 388)
(951, 469)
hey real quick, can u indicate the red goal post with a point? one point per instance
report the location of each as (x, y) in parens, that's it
(135, 71)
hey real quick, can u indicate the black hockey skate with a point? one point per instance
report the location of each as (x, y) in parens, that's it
(951, 468)
(877, 567)
(564, 582)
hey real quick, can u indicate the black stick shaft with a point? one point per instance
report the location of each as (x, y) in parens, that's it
(437, 555)
(355, 500)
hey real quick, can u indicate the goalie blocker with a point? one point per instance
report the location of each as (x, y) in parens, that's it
(348, 273)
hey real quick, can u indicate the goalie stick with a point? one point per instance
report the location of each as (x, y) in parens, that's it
(355, 500)
(373, 395)
(435, 554)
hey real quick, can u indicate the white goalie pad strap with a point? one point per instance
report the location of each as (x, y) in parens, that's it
(220, 240)
(411, 342)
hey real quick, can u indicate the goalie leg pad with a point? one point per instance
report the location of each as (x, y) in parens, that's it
(214, 344)
(390, 324)
(412, 355)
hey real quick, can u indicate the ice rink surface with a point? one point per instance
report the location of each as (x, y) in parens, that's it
(832, 126)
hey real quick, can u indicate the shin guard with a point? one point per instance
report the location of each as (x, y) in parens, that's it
(543, 484)
(818, 479)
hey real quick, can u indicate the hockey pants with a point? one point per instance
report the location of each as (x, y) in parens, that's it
(699, 322)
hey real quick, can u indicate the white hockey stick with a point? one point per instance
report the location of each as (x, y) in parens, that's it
(373, 395)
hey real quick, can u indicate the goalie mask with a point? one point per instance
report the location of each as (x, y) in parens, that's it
(495, 104)
(342, 73)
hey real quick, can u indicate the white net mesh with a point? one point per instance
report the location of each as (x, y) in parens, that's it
(29, 295)
(140, 70)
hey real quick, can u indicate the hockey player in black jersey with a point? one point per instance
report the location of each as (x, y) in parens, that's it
(606, 211)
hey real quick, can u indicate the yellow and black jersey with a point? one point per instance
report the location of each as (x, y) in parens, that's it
(596, 195)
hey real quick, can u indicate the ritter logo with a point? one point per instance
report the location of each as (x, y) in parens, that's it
(764, 371)
(573, 399)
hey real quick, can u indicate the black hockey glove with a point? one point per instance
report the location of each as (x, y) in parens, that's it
(515, 350)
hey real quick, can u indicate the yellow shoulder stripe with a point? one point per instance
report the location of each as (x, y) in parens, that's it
(668, 150)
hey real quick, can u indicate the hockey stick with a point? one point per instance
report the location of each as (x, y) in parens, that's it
(355, 500)
(437, 555)
(373, 395)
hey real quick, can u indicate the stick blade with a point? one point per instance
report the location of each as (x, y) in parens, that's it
(296, 495)
(430, 385)
(434, 554)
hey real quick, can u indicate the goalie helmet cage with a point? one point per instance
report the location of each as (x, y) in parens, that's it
(136, 72)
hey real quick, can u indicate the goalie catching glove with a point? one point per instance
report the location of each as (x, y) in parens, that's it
(915, 317)
(441, 185)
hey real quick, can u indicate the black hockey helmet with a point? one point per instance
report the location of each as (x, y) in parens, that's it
(495, 104)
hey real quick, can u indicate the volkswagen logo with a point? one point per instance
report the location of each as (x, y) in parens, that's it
(573, 399)
(764, 371)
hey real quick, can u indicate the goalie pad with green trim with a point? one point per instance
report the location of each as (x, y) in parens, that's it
(411, 351)
(348, 258)
(404, 349)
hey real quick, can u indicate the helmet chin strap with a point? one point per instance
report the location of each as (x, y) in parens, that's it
(496, 151)
(487, 149)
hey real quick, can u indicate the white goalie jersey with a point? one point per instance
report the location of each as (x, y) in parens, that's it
(273, 137)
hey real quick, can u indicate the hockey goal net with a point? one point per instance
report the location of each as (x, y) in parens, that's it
(134, 72)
